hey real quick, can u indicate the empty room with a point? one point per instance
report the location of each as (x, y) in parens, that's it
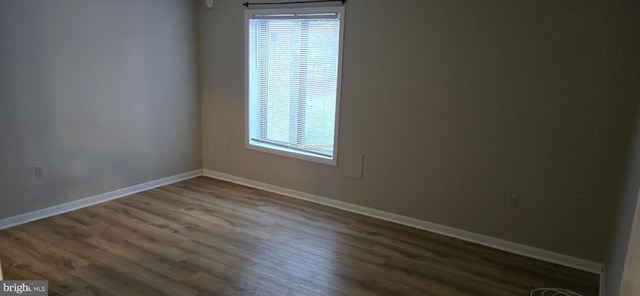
(319, 147)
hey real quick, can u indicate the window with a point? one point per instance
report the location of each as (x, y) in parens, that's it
(293, 59)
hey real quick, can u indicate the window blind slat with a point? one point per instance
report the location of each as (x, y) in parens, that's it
(293, 80)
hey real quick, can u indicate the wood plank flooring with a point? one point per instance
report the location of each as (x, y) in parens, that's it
(208, 237)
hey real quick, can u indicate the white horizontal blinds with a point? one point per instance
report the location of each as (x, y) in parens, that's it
(293, 80)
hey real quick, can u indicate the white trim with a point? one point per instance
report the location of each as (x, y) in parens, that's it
(496, 243)
(249, 110)
(92, 200)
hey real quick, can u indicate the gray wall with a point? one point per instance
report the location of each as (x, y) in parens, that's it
(103, 93)
(456, 106)
(627, 209)
(630, 284)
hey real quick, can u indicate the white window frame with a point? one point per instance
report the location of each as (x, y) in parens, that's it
(279, 150)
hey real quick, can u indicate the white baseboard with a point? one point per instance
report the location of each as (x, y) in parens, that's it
(496, 243)
(480, 239)
(92, 200)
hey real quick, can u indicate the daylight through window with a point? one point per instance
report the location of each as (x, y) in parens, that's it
(293, 60)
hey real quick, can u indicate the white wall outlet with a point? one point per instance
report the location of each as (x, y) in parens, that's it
(41, 171)
(512, 202)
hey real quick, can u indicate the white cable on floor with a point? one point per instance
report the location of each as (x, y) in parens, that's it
(553, 292)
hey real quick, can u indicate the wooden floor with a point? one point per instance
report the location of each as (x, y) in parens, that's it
(208, 237)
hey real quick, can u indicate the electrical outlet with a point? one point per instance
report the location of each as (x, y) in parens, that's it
(512, 202)
(41, 171)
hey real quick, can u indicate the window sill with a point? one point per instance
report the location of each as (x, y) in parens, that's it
(283, 151)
